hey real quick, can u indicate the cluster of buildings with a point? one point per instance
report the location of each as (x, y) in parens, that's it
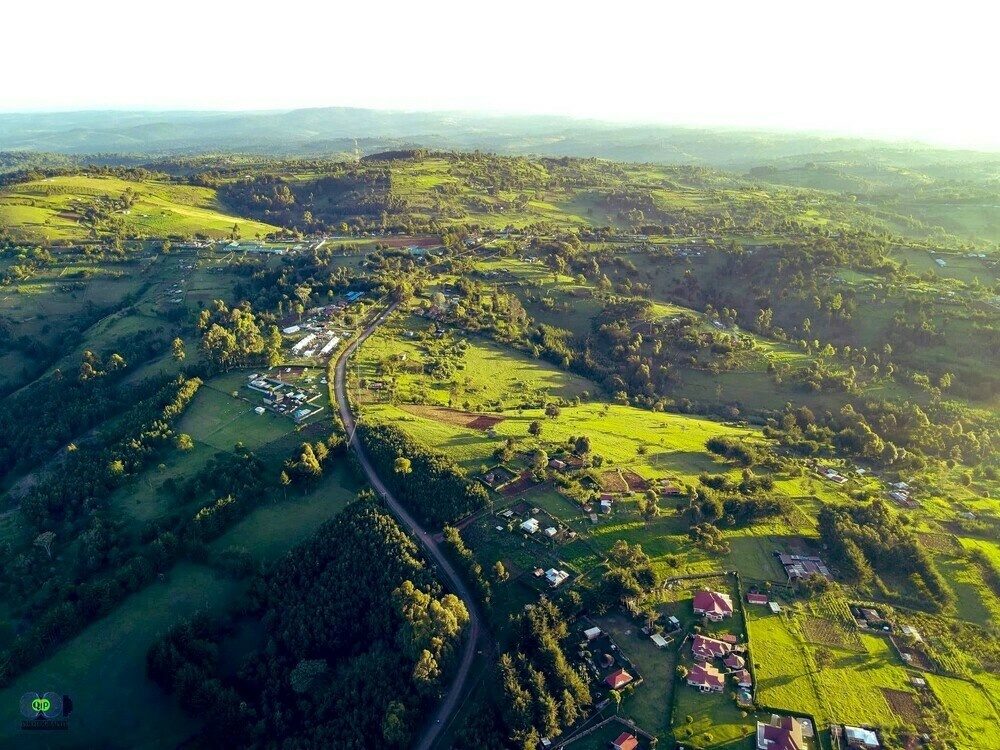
(708, 678)
(284, 399)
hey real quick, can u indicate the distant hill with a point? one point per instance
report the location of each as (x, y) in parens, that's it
(337, 131)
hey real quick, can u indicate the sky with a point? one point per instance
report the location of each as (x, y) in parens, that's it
(885, 69)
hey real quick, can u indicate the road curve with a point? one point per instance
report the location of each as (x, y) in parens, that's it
(457, 691)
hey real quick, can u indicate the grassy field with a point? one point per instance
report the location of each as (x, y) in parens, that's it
(273, 529)
(103, 670)
(973, 715)
(52, 208)
(484, 374)
(786, 678)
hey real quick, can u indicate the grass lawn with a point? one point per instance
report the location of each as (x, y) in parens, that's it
(852, 685)
(783, 671)
(103, 670)
(274, 528)
(973, 716)
(715, 719)
(649, 704)
(219, 421)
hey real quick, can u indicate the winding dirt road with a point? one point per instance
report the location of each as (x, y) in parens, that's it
(445, 711)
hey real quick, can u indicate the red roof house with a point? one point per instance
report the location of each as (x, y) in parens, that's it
(783, 733)
(619, 679)
(713, 604)
(743, 678)
(704, 648)
(734, 661)
(706, 678)
(756, 598)
(625, 741)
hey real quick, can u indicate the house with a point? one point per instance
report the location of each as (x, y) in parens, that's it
(625, 741)
(605, 496)
(713, 605)
(900, 486)
(556, 577)
(783, 733)
(734, 661)
(670, 490)
(659, 641)
(618, 679)
(743, 678)
(774, 607)
(531, 526)
(555, 463)
(259, 410)
(704, 648)
(706, 678)
(605, 506)
(858, 737)
(592, 633)
(756, 598)
(551, 531)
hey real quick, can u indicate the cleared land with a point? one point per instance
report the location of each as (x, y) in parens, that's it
(54, 209)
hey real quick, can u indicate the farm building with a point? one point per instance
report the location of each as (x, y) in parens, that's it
(774, 607)
(798, 567)
(673, 623)
(259, 410)
(618, 679)
(555, 463)
(704, 648)
(713, 604)
(605, 506)
(551, 531)
(757, 599)
(706, 678)
(858, 737)
(556, 577)
(592, 633)
(782, 733)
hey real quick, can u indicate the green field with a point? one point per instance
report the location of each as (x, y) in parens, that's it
(973, 715)
(271, 530)
(51, 209)
(103, 669)
(786, 679)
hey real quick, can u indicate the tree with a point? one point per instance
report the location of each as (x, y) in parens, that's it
(177, 349)
(500, 573)
(306, 672)
(582, 445)
(44, 540)
(535, 428)
(184, 442)
(616, 696)
(403, 466)
(552, 411)
(540, 460)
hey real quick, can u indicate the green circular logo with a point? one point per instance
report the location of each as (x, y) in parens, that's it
(41, 705)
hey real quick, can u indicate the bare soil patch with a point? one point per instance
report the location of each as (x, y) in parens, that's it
(455, 417)
(903, 705)
(611, 481)
(635, 482)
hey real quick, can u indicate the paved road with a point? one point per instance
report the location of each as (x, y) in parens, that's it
(457, 692)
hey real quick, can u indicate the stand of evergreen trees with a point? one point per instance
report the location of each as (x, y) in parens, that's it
(359, 641)
(436, 488)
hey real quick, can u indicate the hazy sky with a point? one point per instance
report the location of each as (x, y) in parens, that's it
(887, 69)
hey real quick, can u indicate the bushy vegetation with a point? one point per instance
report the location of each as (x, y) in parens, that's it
(435, 487)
